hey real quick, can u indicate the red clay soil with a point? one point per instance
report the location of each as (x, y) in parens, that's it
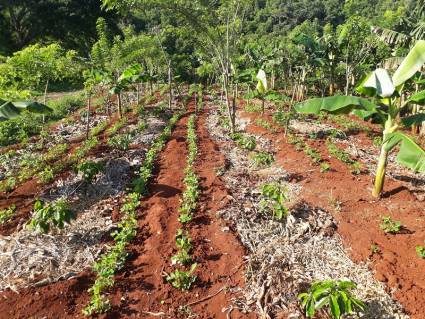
(140, 287)
(397, 263)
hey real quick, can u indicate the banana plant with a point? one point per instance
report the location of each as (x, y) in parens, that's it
(9, 109)
(386, 106)
(262, 88)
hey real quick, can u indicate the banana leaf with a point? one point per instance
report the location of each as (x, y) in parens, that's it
(413, 119)
(379, 82)
(33, 107)
(410, 154)
(417, 98)
(262, 82)
(339, 104)
(411, 64)
(8, 110)
(131, 74)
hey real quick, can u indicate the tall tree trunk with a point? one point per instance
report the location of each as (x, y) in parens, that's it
(119, 105)
(137, 94)
(170, 90)
(45, 98)
(234, 109)
(88, 116)
(227, 100)
(196, 105)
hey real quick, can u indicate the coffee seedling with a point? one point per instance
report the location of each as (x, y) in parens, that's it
(420, 250)
(274, 198)
(335, 296)
(263, 159)
(6, 214)
(182, 280)
(89, 170)
(51, 214)
(390, 226)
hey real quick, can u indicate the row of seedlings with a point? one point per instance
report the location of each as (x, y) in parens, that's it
(57, 213)
(44, 166)
(183, 279)
(114, 258)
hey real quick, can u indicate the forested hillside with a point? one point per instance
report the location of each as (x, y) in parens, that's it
(212, 159)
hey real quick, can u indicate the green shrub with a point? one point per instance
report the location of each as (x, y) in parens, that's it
(66, 105)
(120, 141)
(52, 214)
(89, 170)
(7, 213)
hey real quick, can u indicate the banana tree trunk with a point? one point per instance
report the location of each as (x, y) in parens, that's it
(383, 158)
(380, 172)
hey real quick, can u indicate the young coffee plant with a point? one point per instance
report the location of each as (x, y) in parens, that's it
(334, 150)
(274, 199)
(390, 226)
(324, 167)
(264, 124)
(46, 175)
(120, 141)
(297, 141)
(47, 215)
(335, 296)
(81, 151)
(182, 280)
(420, 250)
(245, 142)
(7, 214)
(183, 242)
(262, 159)
(98, 128)
(8, 184)
(89, 170)
(181, 258)
(116, 127)
(374, 249)
(315, 155)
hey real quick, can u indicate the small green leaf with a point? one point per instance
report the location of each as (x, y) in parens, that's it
(335, 310)
(310, 307)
